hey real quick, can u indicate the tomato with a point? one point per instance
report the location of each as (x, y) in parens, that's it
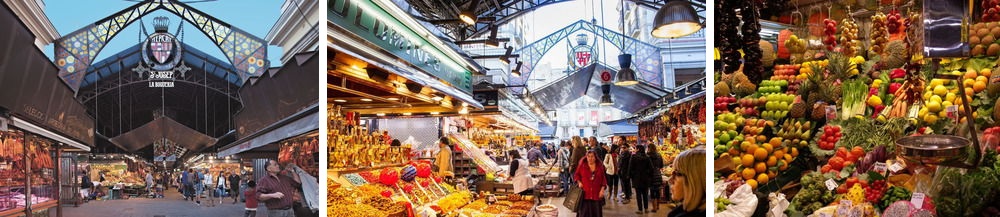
(858, 151)
(842, 152)
(851, 181)
(836, 163)
(842, 189)
(825, 169)
(851, 158)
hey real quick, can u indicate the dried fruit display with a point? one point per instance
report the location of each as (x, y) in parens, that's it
(879, 33)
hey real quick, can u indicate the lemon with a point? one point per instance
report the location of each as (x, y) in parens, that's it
(933, 106)
(950, 97)
(930, 119)
(940, 90)
(936, 82)
(922, 112)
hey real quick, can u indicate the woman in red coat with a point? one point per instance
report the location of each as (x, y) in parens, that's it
(590, 175)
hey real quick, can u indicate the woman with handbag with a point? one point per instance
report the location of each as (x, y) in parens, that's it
(687, 183)
(641, 170)
(590, 177)
(656, 186)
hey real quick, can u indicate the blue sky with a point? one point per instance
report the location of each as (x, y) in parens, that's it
(254, 17)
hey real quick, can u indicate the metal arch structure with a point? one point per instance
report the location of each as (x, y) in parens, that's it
(75, 52)
(646, 57)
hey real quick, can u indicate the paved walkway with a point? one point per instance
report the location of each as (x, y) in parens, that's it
(614, 208)
(172, 205)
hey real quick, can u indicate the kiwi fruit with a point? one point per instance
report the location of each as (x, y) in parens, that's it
(993, 50)
(995, 31)
(974, 40)
(978, 50)
(978, 26)
(983, 31)
(988, 39)
(991, 25)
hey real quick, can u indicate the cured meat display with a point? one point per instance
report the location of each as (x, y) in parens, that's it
(301, 152)
(22, 157)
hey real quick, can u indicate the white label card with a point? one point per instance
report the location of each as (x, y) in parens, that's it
(917, 200)
(896, 167)
(880, 167)
(830, 184)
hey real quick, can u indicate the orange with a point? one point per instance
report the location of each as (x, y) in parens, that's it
(771, 161)
(747, 160)
(779, 154)
(734, 152)
(752, 183)
(971, 74)
(761, 138)
(795, 152)
(969, 91)
(760, 167)
(762, 178)
(788, 158)
(982, 79)
(760, 154)
(985, 73)
(767, 147)
(979, 86)
(745, 145)
(752, 149)
(783, 165)
(775, 142)
(748, 174)
(772, 173)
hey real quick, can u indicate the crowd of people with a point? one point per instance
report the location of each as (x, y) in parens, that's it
(616, 172)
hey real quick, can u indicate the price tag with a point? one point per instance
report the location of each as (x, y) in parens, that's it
(880, 167)
(917, 200)
(846, 203)
(831, 112)
(896, 167)
(952, 111)
(830, 184)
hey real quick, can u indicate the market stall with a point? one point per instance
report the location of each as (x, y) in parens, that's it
(856, 108)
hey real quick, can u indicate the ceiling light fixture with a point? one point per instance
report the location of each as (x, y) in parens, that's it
(339, 100)
(464, 110)
(516, 71)
(380, 114)
(626, 76)
(606, 100)
(366, 100)
(392, 98)
(468, 15)
(435, 113)
(436, 97)
(492, 41)
(675, 19)
(407, 113)
(505, 59)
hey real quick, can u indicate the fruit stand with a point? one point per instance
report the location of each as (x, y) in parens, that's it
(858, 115)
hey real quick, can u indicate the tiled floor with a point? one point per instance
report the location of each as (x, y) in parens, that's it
(172, 205)
(614, 209)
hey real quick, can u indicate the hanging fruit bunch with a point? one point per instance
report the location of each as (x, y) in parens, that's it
(894, 21)
(914, 34)
(797, 47)
(849, 37)
(730, 40)
(879, 33)
(753, 64)
(830, 34)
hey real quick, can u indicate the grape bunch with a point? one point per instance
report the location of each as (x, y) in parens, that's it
(849, 37)
(893, 21)
(721, 203)
(830, 30)
(879, 33)
(874, 191)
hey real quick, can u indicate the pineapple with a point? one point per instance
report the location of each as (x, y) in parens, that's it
(819, 111)
(798, 110)
(722, 89)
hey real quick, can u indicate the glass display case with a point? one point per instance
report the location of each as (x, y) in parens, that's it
(27, 173)
(303, 151)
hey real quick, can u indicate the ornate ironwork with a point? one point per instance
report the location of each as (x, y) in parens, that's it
(75, 52)
(647, 62)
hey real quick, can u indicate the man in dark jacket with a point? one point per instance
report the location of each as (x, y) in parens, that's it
(624, 172)
(641, 175)
(597, 147)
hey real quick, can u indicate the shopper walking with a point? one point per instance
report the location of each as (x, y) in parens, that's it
(590, 178)
(209, 188)
(687, 183)
(611, 169)
(534, 155)
(150, 184)
(562, 156)
(234, 187)
(185, 184)
(199, 186)
(578, 151)
(596, 146)
(251, 203)
(276, 190)
(656, 181)
(625, 172)
(520, 175)
(641, 168)
(221, 185)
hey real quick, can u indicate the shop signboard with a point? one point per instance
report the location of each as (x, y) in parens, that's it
(33, 93)
(375, 24)
(489, 98)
